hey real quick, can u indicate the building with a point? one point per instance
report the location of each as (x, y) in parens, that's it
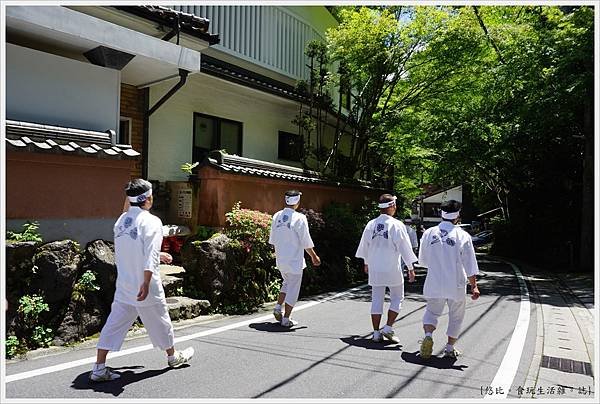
(142, 90)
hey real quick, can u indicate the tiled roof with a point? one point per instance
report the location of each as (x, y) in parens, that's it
(245, 166)
(27, 136)
(189, 23)
(230, 72)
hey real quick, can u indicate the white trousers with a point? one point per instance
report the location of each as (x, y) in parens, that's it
(155, 318)
(378, 295)
(291, 287)
(456, 314)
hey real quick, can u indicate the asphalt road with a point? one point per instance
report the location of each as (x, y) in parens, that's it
(328, 355)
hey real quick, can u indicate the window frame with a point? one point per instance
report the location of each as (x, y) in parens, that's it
(216, 135)
(279, 157)
(129, 121)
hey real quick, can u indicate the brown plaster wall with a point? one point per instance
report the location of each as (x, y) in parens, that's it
(45, 186)
(218, 191)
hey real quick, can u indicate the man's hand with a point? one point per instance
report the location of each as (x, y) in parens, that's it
(475, 292)
(165, 258)
(316, 261)
(366, 269)
(411, 275)
(143, 293)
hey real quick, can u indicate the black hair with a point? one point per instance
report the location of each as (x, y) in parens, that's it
(450, 206)
(292, 192)
(137, 187)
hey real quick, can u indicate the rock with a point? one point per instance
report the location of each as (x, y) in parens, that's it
(171, 284)
(209, 266)
(99, 257)
(57, 267)
(19, 276)
(183, 308)
(85, 317)
(82, 319)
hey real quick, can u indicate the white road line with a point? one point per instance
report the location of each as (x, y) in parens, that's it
(510, 363)
(92, 359)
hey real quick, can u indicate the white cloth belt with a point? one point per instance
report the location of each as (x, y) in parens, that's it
(450, 216)
(292, 200)
(140, 198)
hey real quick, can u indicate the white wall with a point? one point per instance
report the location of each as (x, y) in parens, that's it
(53, 90)
(453, 193)
(171, 126)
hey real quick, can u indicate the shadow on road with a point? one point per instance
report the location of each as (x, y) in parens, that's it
(274, 327)
(367, 343)
(433, 362)
(116, 387)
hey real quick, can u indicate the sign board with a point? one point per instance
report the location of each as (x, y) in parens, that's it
(184, 203)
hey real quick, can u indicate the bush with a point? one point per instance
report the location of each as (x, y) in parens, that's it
(85, 284)
(29, 233)
(14, 347)
(32, 334)
(336, 233)
(255, 280)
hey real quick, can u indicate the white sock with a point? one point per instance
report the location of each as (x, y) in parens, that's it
(98, 367)
(278, 307)
(170, 357)
(428, 334)
(387, 328)
(449, 347)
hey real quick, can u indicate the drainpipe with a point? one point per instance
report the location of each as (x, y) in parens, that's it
(182, 79)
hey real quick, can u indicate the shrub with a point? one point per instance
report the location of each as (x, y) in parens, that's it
(255, 280)
(29, 233)
(204, 233)
(85, 284)
(13, 347)
(33, 334)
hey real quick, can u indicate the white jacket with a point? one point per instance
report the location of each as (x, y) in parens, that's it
(383, 244)
(447, 252)
(290, 236)
(138, 237)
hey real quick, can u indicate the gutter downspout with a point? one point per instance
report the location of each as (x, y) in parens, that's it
(182, 79)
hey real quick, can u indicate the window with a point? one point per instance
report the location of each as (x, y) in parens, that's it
(124, 131)
(212, 133)
(290, 146)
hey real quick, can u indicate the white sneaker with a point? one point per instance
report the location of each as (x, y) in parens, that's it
(104, 375)
(181, 357)
(277, 314)
(377, 337)
(390, 335)
(289, 323)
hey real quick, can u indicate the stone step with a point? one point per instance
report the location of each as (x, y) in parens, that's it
(183, 308)
(172, 278)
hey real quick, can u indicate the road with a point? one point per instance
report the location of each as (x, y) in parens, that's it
(328, 355)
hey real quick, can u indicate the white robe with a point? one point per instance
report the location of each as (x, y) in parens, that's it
(412, 234)
(290, 236)
(138, 237)
(383, 244)
(447, 252)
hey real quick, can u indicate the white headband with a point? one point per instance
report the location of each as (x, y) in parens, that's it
(140, 198)
(384, 205)
(451, 215)
(292, 200)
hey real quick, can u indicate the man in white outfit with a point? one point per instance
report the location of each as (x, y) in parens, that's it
(383, 245)
(139, 290)
(290, 236)
(414, 242)
(447, 252)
